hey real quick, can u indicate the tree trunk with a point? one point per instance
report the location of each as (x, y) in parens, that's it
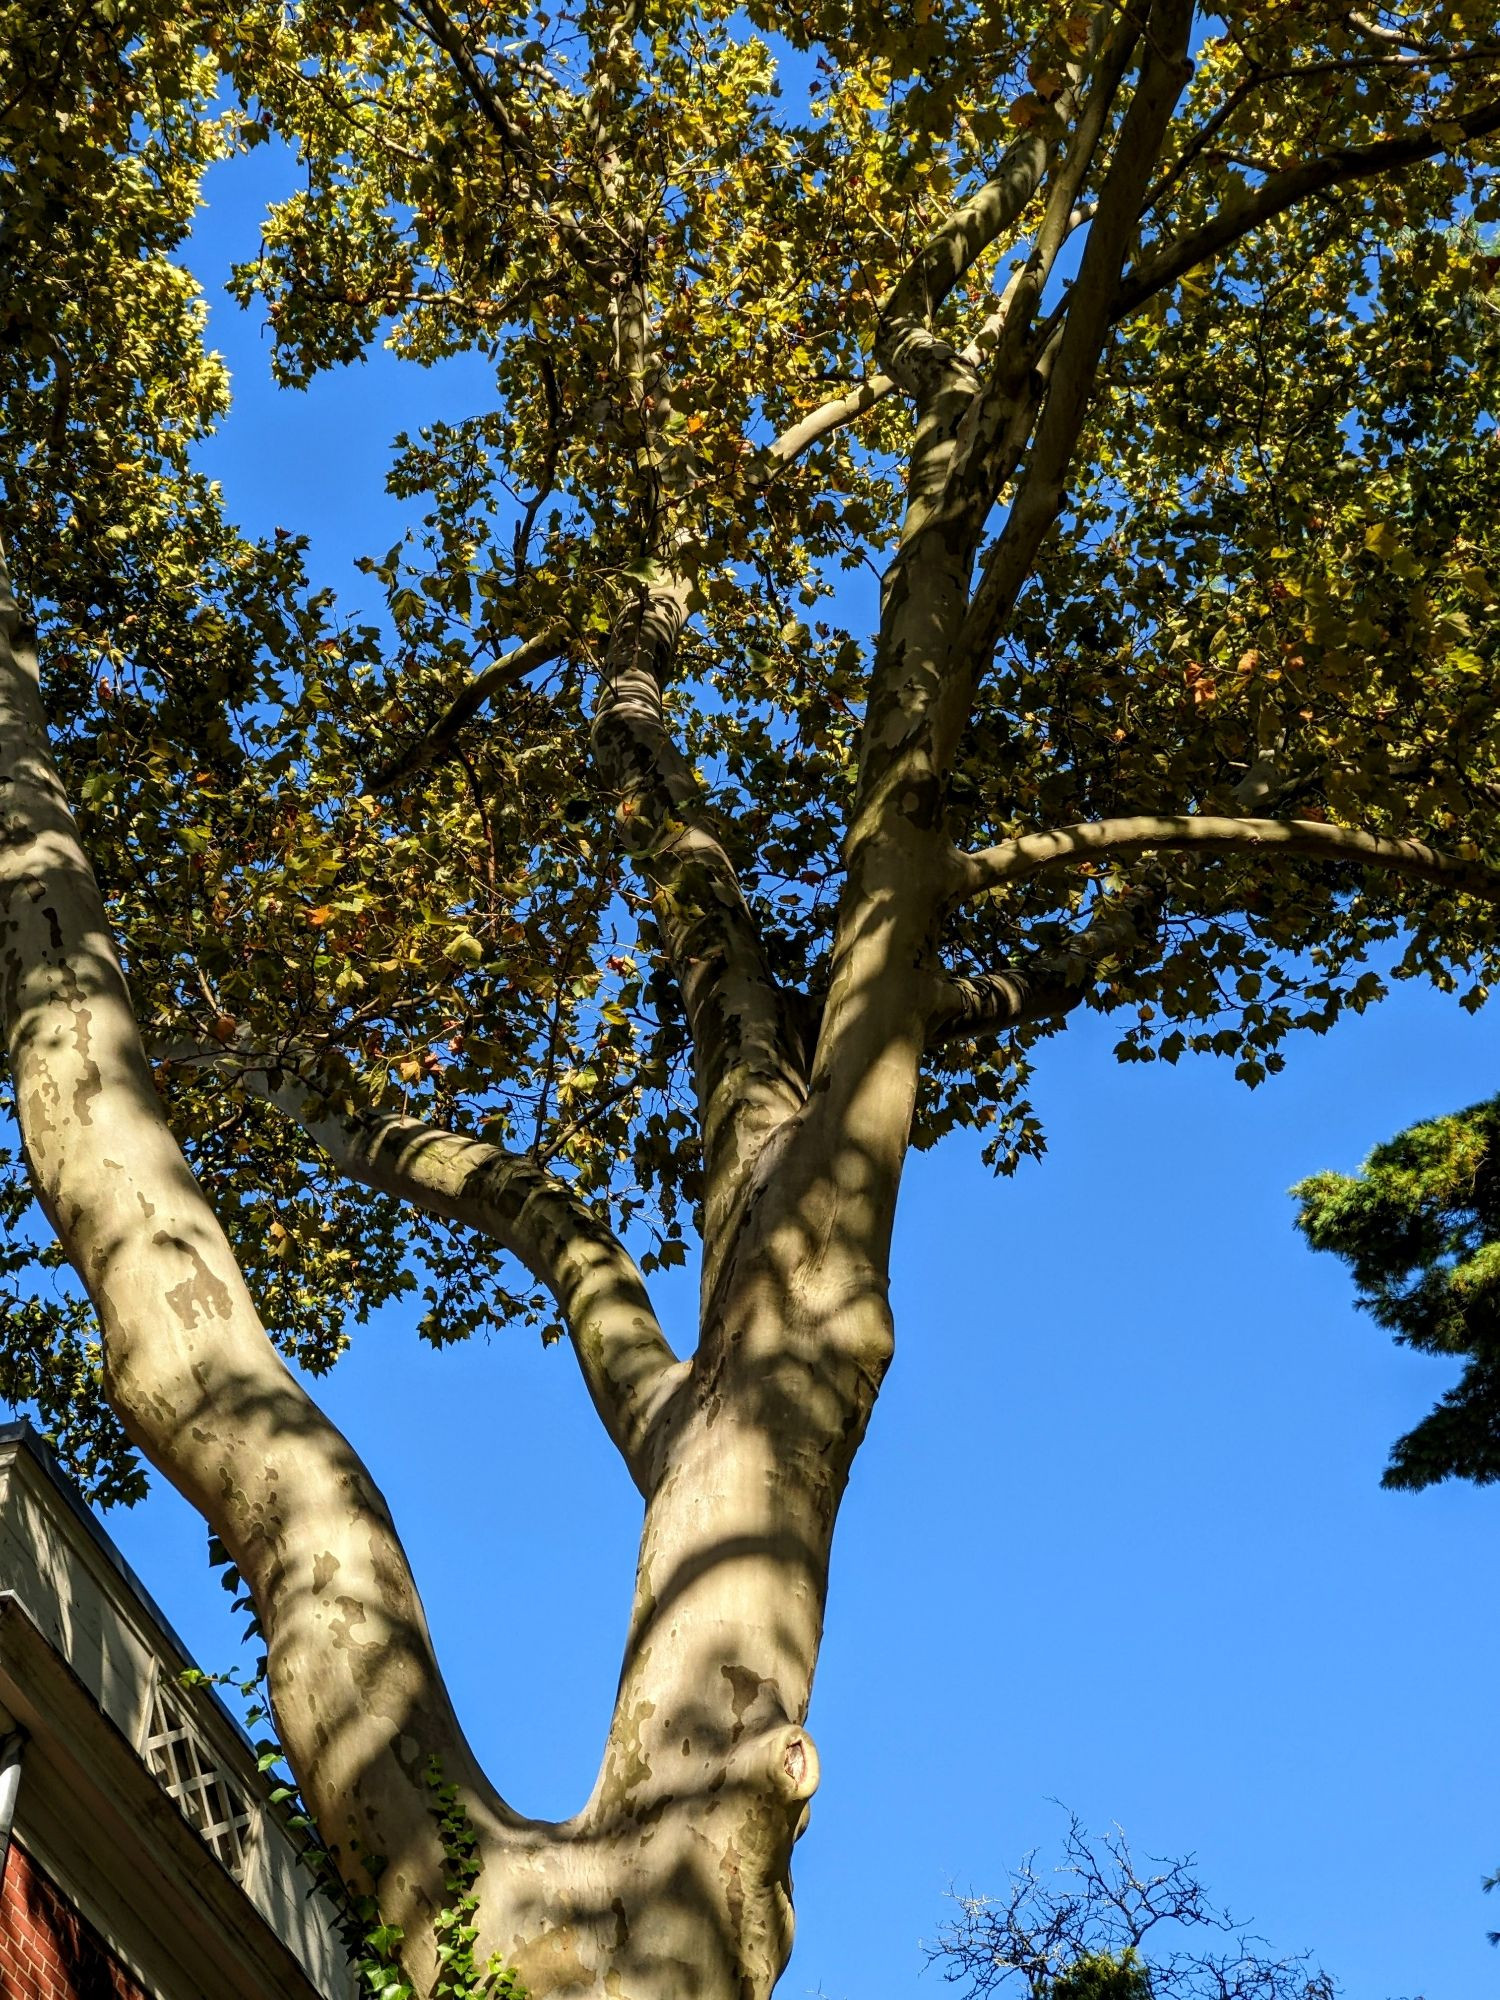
(675, 1879)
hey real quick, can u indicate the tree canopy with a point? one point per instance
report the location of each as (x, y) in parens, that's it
(613, 861)
(1270, 588)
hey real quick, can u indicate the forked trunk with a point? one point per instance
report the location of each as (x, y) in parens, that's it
(675, 1879)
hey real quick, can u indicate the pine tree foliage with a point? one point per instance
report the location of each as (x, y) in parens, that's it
(1419, 1227)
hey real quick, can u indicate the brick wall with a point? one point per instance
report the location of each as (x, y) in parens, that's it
(48, 1951)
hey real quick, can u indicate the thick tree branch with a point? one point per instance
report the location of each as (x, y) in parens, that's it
(920, 361)
(831, 416)
(1085, 325)
(448, 37)
(359, 1701)
(1377, 32)
(1015, 860)
(1050, 983)
(746, 1053)
(866, 1064)
(627, 1365)
(1059, 217)
(1167, 262)
(548, 645)
(971, 1006)
(908, 351)
(841, 410)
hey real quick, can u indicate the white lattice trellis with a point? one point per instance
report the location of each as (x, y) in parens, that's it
(188, 1774)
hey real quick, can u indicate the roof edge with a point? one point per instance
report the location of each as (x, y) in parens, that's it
(19, 1431)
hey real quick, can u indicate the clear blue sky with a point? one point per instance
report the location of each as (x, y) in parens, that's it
(1116, 1537)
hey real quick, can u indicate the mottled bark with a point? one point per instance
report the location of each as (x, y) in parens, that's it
(746, 1055)
(676, 1876)
(1014, 860)
(629, 1369)
(188, 1366)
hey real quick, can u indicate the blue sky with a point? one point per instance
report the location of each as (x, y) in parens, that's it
(1116, 1537)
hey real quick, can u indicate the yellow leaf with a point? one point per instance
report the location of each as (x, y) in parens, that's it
(1382, 540)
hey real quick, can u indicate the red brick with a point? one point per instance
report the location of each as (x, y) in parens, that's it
(47, 1950)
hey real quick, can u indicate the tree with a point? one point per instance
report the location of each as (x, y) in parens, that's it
(1420, 1228)
(590, 887)
(1113, 1932)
